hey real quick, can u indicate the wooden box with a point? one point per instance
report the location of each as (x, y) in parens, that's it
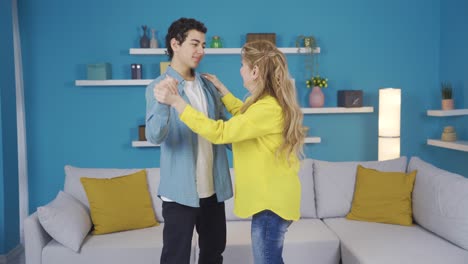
(141, 133)
(261, 36)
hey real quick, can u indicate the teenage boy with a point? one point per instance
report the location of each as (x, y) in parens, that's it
(195, 179)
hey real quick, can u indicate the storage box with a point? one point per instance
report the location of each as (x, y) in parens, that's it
(350, 98)
(100, 71)
(261, 36)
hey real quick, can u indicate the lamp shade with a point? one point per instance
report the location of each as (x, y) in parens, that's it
(389, 123)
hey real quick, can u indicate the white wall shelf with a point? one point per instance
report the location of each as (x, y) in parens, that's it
(455, 112)
(139, 51)
(140, 82)
(338, 110)
(143, 144)
(456, 145)
(146, 144)
(313, 140)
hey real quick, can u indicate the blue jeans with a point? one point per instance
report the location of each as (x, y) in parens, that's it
(268, 231)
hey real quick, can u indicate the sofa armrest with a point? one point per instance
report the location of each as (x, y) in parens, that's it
(35, 239)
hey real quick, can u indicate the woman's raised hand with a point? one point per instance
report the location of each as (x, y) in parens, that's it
(217, 83)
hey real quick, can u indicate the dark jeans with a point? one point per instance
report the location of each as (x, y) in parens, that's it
(179, 220)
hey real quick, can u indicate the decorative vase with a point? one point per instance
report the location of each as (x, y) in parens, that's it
(316, 97)
(154, 41)
(144, 40)
(447, 104)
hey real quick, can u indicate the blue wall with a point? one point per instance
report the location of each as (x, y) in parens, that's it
(9, 199)
(3, 213)
(365, 45)
(453, 67)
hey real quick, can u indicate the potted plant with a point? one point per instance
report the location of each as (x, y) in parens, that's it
(447, 100)
(316, 96)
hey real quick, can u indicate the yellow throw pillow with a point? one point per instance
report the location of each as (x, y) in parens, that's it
(383, 197)
(120, 203)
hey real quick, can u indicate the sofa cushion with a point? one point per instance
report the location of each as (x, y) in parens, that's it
(305, 240)
(74, 187)
(141, 246)
(307, 189)
(440, 202)
(372, 243)
(383, 197)
(66, 220)
(119, 204)
(334, 183)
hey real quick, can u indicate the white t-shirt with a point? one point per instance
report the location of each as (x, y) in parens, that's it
(204, 172)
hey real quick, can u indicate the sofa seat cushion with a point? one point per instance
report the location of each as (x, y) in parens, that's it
(306, 240)
(136, 246)
(370, 243)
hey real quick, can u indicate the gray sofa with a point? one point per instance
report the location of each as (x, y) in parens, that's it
(322, 235)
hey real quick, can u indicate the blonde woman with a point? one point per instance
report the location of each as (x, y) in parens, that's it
(267, 137)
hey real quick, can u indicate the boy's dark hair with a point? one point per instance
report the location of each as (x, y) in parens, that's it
(179, 29)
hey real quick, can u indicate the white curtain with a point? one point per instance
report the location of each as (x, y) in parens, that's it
(21, 123)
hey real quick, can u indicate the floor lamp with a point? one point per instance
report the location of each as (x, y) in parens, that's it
(389, 123)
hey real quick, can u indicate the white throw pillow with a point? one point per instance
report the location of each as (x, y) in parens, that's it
(440, 202)
(74, 187)
(334, 183)
(66, 220)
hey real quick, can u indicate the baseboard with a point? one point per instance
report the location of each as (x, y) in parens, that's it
(13, 254)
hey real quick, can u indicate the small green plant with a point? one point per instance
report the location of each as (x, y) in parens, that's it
(446, 89)
(321, 82)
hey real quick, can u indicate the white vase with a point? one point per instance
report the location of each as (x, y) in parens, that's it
(154, 41)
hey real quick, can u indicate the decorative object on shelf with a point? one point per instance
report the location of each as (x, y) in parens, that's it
(99, 71)
(141, 133)
(144, 40)
(447, 100)
(216, 42)
(306, 42)
(137, 71)
(311, 62)
(349, 98)
(316, 96)
(261, 36)
(163, 66)
(153, 41)
(389, 123)
(449, 134)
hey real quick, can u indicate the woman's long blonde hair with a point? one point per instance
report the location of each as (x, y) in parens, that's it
(274, 80)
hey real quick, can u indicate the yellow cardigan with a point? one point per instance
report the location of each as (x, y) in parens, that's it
(262, 181)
